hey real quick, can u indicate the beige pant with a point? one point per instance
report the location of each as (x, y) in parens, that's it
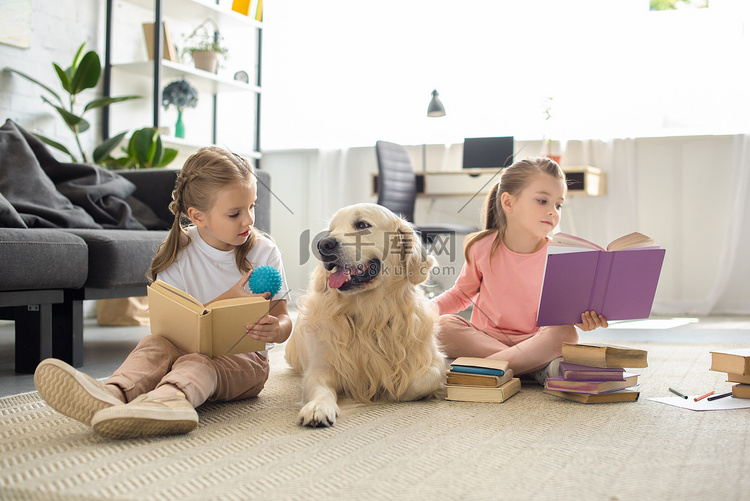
(524, 352)
(156, 362)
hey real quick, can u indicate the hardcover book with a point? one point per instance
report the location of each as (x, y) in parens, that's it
(602, 355)
(731, 361)
(474, 365)
(576, 372)
(738, 378)
(593, 387)
(214, 331)
(618, 282)
(586, 398)
(468, 379)
(483, 393)
(741, 391)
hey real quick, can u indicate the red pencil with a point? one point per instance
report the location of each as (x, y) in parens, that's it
(703, 396)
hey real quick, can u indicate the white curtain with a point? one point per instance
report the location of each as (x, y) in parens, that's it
(602, 219)
(731, 293)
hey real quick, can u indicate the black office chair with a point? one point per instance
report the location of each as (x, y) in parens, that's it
(397, 191)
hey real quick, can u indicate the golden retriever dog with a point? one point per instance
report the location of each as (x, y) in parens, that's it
(365, 329)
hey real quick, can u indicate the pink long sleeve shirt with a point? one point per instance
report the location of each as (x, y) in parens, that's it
(505, 290)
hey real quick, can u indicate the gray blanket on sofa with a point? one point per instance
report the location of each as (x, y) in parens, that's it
(37, 191)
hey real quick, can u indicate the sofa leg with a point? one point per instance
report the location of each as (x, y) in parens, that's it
(67, 333)
(33, 336)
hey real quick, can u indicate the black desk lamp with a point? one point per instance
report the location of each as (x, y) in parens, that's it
(434, 109)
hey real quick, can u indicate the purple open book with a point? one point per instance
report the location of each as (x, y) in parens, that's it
(619, 284)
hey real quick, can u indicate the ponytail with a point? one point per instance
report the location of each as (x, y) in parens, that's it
(513, 180)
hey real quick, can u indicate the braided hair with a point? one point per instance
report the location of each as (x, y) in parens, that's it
(204, 175)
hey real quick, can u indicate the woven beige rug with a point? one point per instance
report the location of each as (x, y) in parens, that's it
(534, 446)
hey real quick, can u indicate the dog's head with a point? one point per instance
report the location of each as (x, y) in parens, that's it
(367, 244)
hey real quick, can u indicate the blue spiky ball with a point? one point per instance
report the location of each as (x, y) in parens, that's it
(265, 279)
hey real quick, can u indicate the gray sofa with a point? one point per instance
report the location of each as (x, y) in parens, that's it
(47, 272)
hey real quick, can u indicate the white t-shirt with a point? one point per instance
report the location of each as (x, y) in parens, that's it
(206, 273)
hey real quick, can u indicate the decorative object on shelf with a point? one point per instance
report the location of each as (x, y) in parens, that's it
(242, 76)
(168, 50)
(144, 151)
(82, 74)
(250, 8)
(181, 95)
(547, 142)
(206, 46)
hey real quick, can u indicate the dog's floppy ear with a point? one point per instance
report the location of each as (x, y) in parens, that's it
(413, 255)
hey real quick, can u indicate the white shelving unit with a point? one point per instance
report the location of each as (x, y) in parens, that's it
(224, 100)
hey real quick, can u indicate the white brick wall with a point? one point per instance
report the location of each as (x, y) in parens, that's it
(58, 28)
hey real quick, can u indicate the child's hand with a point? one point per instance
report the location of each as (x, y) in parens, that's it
(238, 290)
(590, 321)
(267, 329)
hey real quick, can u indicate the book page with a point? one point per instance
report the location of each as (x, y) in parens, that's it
(565, 240)
(631, 241)
(179, 296)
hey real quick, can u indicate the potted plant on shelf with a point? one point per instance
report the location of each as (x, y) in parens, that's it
(181, 95)
(206, 46)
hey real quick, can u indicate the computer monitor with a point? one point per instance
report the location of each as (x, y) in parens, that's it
(488, 152)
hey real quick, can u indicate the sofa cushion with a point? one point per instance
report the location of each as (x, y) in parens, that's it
(46, 193)
(119, 258)
(42, 259)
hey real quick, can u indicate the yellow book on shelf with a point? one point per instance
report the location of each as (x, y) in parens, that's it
(214, 331)
(241, 6)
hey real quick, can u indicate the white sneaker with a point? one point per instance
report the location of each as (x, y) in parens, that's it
(147, 416)
(72, 392)
(552, 369)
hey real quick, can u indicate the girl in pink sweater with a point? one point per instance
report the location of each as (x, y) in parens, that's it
(503, 275)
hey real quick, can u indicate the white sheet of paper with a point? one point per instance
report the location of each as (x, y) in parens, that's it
(719, 404)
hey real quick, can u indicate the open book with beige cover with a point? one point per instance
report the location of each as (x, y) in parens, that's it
(215, 331)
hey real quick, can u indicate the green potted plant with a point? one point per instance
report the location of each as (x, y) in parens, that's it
(144, 151)
(82, 74)
(206, 46)
(181, 95)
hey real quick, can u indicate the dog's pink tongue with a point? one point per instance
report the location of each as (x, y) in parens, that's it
(337, 278)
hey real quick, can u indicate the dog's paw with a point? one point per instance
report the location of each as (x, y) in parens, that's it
(318, 415)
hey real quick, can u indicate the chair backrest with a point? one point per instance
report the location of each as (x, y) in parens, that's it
(263, 203)
(397, 183)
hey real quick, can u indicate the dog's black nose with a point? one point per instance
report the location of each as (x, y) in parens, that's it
(328, 246)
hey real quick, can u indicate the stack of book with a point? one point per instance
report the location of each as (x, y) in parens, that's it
(595, 373)
(736, 363)
(471, 379)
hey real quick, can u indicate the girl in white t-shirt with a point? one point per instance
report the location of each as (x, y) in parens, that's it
(156, 390)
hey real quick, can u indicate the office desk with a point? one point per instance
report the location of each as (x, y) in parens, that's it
(583, 181)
